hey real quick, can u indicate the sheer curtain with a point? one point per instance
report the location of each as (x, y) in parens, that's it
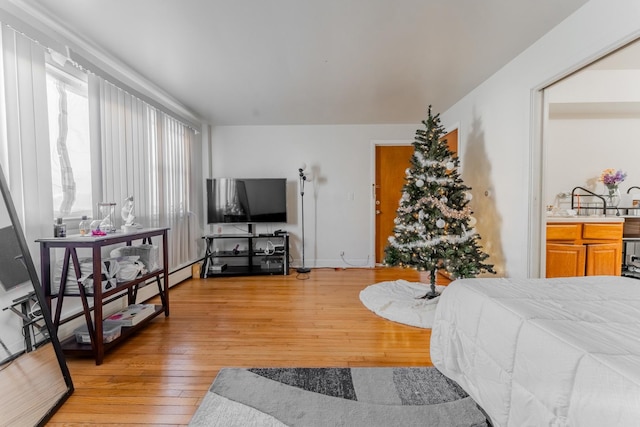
(24, 134)
(144, 153)
(119, 142)
(175, 144)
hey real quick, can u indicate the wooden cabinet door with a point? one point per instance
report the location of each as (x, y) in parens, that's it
(565, 260)
(604, 259)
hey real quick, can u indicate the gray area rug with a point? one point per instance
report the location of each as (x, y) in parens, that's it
(336, 397)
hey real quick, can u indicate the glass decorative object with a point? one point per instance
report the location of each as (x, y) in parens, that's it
(106, 212)
(613, 196)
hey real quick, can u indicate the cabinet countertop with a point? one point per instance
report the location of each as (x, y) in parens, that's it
(585, 219)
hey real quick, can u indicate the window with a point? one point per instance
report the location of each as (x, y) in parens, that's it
(67, 97)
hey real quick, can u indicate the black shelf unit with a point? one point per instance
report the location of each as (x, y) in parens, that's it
(261, 254)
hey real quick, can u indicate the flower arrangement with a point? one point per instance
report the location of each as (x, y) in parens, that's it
(611, 177)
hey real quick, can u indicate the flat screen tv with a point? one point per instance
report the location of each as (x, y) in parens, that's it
(250, 200)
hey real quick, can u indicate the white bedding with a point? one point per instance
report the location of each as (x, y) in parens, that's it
(544, 352)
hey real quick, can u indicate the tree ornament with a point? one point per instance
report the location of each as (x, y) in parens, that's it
(419, 183)
(450, 166)
(440, 223)
(472, 221)
(468, 196)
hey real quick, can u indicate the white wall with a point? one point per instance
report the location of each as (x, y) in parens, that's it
(594, 124)
(338, 202)
(497, 119)
(583, 147)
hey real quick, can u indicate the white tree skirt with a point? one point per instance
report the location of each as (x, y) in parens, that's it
(400, 301)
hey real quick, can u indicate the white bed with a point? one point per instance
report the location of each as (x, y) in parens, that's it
(544, 352)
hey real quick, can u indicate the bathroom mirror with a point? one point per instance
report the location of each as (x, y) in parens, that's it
(34, 377)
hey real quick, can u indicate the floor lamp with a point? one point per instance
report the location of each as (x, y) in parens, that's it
(303, 177)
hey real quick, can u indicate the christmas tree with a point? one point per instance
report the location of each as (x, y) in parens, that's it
(434, 227)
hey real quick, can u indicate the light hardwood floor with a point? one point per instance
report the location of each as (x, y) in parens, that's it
(159, 376)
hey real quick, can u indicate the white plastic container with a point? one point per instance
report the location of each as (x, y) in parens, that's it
(110, 331)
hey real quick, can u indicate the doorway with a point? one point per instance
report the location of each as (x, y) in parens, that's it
(576, 119)
(391, 162)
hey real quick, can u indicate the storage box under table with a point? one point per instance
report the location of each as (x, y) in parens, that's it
(110, 331)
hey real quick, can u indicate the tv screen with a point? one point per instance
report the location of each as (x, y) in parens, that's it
(246, 200)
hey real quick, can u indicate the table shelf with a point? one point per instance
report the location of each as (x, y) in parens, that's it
(72, 347)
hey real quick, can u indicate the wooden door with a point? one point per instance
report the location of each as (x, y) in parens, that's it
(565, 260)
(391, 163)
(452, 140)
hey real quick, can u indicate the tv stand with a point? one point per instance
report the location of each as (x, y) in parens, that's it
(245, 255)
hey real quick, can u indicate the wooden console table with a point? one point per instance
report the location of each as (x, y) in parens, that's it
(129, 289)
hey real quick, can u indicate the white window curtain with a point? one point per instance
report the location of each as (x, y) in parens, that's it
(24, 134)
(119, 140)
(176, 143)
(146, 154)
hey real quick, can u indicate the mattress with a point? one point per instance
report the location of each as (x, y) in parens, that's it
(552, 352)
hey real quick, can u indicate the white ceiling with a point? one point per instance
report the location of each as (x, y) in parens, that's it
(243, 62)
